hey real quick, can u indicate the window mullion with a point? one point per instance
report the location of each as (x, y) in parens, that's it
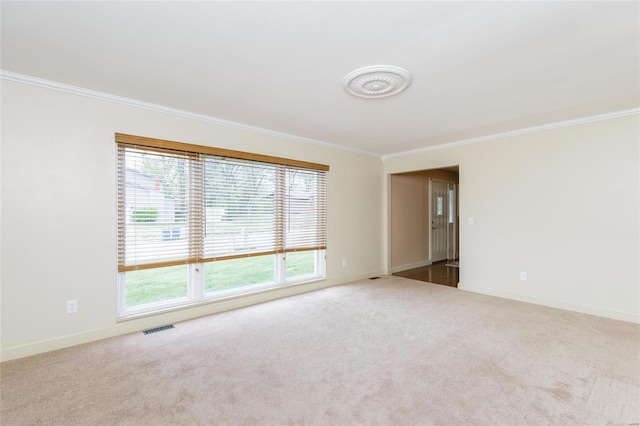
(196, 209)
(280, 225)
(196, 281)
(197, 231)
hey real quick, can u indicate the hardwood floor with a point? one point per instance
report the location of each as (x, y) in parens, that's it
(438, 273)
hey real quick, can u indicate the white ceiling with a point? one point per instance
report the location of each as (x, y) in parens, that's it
(479, 68)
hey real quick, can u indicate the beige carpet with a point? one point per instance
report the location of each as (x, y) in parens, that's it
(390, 351)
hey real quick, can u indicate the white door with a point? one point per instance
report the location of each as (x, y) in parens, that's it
(439, 200)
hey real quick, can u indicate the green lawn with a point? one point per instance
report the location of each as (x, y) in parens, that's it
(156, 285)
(236, 273)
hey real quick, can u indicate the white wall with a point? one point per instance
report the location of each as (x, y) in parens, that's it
(58, 230)
(561, 205)
(409, 222)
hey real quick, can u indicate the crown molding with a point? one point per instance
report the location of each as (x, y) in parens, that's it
(47, 84)
(534, 129)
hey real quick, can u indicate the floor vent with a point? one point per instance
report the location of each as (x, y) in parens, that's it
(374, 278)
(155, 330)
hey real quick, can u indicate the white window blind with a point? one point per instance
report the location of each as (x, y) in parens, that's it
(242, 212)
(305, 210)
(181, 203)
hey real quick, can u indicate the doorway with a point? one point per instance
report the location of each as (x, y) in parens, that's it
(424, 225)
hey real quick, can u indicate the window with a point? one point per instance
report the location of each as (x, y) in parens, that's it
(440, 205)
(452, 210)
(198, 223)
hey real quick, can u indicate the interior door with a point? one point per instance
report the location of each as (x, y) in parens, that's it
(439, 200)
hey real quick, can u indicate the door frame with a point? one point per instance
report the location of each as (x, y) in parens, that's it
(390, 212)
(450, 226)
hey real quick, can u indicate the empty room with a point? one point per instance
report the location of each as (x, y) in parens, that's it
(319, 213)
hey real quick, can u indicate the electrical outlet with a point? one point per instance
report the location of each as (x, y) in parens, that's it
(523, 276)
(72, 306)
(344, 262)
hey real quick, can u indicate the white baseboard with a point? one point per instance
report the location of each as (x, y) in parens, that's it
(175, 316)
(408, 266)
(606, 313)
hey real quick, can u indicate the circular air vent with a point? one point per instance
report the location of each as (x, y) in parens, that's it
(377, 81)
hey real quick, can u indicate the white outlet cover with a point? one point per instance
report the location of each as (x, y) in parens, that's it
(470, 221)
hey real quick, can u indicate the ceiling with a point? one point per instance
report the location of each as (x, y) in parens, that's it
(478, 68)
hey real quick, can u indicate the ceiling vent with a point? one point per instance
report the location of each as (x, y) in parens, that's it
(377, 81)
